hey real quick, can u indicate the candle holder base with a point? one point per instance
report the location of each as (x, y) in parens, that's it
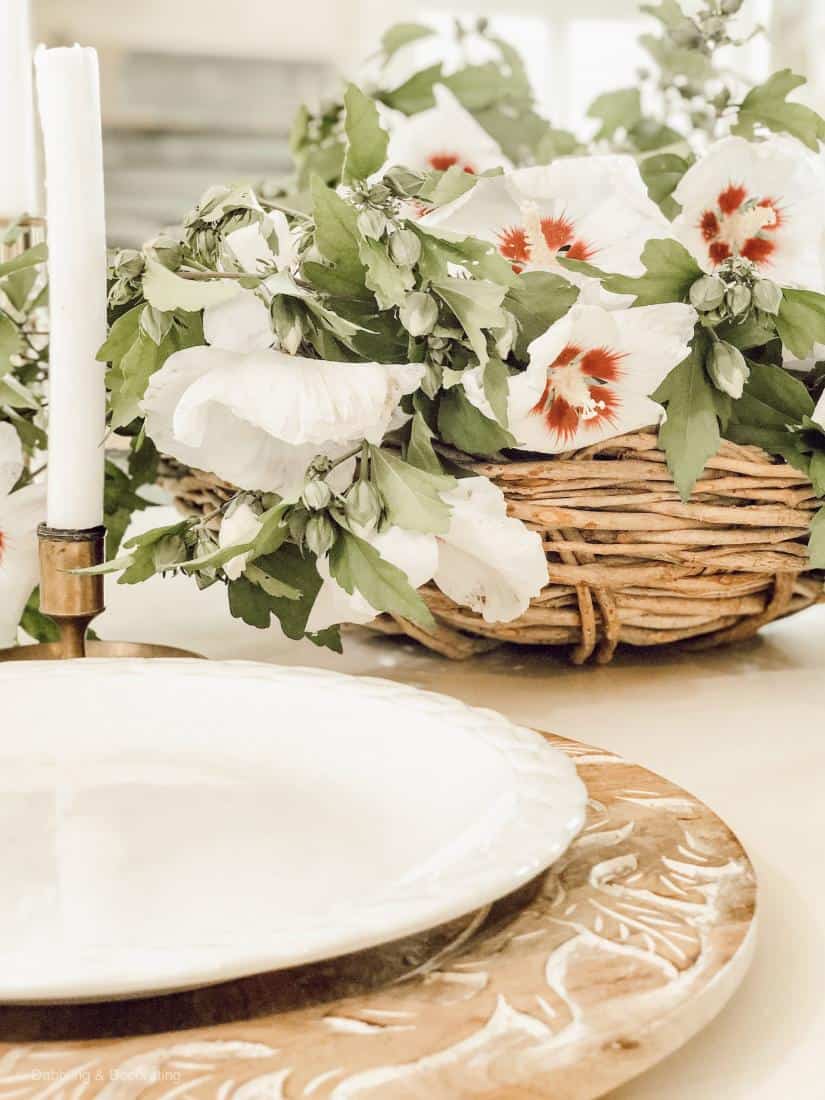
(73, 597)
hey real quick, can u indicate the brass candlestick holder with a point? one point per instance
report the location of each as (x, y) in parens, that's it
(74, 599)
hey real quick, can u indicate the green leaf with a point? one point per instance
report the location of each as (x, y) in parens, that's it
(816, 542)
(14, 395)
(439, 188)
(775, 397)
(366, 138)
(476, 304)
(388, 282)
(766, 105)
(556, 143)
(496, 388)
(289, 567)
(328, 639)
(661, 174)
(167, 291)
(441, 248)
(249, 603)
(358, 566)
(670, 271)
(520, 131)
(416, 94)
(617, 110)
(273, 586)
(412, 497)
(747, 334)
(463, 425)
(537, 300)
(122, 335)
(336, 233)
(403, 34)
(36, 255)
(11, 342)
(816, 472)
(420, 450)
(690, 435)
(800, 322)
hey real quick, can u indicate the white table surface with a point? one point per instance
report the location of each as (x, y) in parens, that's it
(742, 728)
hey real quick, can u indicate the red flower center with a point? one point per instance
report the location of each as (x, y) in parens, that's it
(740, 225)
(559, 233)
(442, 161)
(576, 393)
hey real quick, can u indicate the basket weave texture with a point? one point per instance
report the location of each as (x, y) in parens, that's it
(628, 561)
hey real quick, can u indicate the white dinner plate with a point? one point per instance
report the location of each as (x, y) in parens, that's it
(168, 824)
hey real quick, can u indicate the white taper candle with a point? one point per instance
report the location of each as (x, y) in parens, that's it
(68, 90)
(18, 174)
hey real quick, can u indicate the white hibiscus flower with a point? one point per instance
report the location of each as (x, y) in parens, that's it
(258, 420)
(442, 136)
(243, 323)
(760, 200)
(20, 514)
(585, 208)
(486, 560)
(591, 373)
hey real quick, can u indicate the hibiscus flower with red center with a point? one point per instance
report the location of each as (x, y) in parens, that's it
(759, 201)
(583, 208)
(590, 375)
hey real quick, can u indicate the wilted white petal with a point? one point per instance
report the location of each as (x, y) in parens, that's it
(258, 420)
(488, 561)
(242, 324)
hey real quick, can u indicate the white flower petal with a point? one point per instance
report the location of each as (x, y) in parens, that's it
(819, 412)
(778, 169)
(413, 552)
(239, 526)
(488, 561)
(242, 324)
(597, 207)
(258, 420)
(644, 345)
(20, 514)
(166, 291)
(250, 248)
(444, 135)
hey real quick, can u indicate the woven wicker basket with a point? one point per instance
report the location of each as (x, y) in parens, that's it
(627, 560)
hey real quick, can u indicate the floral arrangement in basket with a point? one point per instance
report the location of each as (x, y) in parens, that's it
(359, 363)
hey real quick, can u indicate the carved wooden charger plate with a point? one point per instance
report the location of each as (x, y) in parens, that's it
(575, 984)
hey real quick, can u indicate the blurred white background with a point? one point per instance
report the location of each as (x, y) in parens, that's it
(200, 91)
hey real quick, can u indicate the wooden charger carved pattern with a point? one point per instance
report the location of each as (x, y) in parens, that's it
(575, 984)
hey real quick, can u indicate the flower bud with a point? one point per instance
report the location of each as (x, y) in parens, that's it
(767, 296)
(738, 299)
(129, 263)
(707, 293)
(363, 507)
(403, 180)
(730, 7)
(316, 495)
(372, 222)
(405, 248)
(419, 313)
(297, 523)
(320, 534)
(288, 324)
(727, 368)
(167, 251)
